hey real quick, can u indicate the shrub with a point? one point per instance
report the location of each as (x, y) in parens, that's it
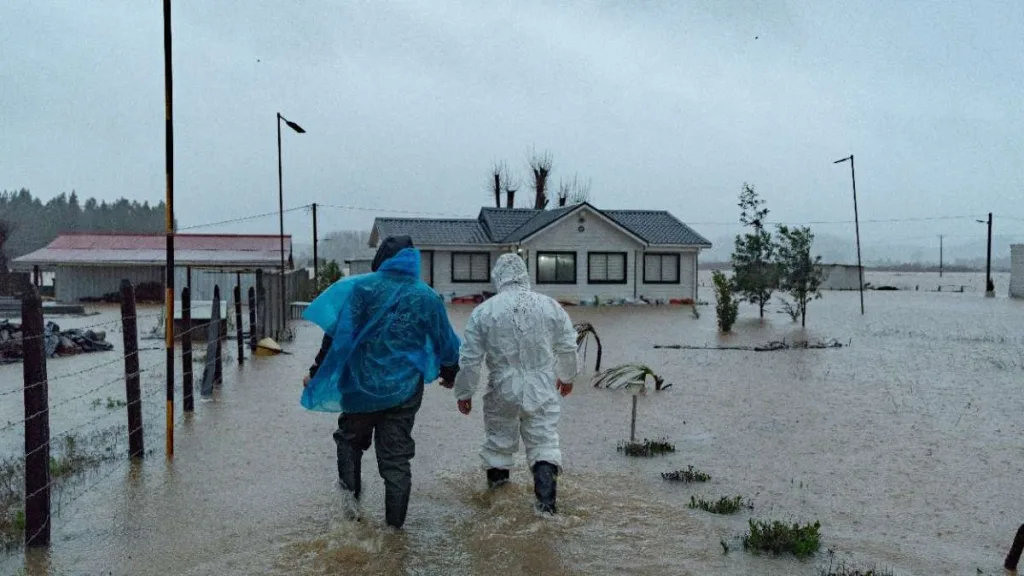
(726, 306)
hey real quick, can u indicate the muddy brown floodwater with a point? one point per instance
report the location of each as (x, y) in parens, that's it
(906, 446)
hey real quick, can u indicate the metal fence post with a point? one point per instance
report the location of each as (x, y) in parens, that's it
(252, 318)
(218, 367)
(37, 423)
(238, 324)
(188, 398)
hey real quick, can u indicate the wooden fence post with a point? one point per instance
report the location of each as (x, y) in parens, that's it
(133, 394)
(218, 367)
(238, 324)
(1018, 546)
(252, 318)
(186, 351)
(37, 423)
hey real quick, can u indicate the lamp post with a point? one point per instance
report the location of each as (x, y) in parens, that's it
(856, 221)
(990, 289)
(280, 207)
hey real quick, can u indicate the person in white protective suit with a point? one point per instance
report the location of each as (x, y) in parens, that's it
(529, 345)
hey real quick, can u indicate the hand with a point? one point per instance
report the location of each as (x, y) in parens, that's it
(447, 383)
(466, 406)
(305, 381)
(564, 388)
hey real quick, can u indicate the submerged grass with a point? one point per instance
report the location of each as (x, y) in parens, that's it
(647, 448)
(780, 538)
(844, 570)
(723, 505)
(72, 456)
(688, 476)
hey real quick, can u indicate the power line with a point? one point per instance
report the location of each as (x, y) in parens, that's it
(394, 211)
(243, 218)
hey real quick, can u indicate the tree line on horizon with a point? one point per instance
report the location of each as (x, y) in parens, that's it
(28, 224)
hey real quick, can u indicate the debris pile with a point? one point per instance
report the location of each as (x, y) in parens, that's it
(772, 346)
(56, 341)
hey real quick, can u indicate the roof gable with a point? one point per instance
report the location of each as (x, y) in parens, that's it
(515, 225)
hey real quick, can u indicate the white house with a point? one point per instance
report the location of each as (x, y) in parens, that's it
(574, 253)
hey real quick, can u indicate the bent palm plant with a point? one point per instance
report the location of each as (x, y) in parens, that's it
(583, 330)
(633, 378)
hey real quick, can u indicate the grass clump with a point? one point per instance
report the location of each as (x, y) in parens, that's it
(780, 538)
(647, 448)
(844, 570)
(688, 476)
(723, 505)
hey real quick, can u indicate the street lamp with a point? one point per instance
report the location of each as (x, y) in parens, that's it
(856, 221)
(280, 206)
(990, 289)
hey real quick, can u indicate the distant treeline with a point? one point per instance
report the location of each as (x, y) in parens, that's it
(33, 224)
(892, 267)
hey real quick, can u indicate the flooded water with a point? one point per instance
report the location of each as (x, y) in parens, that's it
(906, 446)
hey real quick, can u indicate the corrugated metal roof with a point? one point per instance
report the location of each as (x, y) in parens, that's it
(201, 250)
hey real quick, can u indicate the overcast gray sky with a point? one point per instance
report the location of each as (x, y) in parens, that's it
(669, 105)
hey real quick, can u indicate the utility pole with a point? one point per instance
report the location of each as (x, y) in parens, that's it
(940, 255)
(316, 254)
(989, 288)
(169, 267)
(856, 221)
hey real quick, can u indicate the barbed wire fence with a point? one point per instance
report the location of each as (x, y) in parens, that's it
(56, 470)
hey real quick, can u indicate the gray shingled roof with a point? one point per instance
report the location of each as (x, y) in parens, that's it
(512, 225)
(430, 232)
(543, 219)
(500, 222)
(657, 227)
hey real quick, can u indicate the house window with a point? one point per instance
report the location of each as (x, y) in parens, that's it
(556, 268)
(661, 268)
(471, 267)
(606, 268)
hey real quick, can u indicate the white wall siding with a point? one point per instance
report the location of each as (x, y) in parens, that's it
(442, 270)
(598, 236)
(1017, 271)
(841, 277)
(687, 286)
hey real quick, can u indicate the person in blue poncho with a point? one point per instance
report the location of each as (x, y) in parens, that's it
(386, 334)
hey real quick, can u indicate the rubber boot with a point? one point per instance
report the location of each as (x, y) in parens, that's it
(350, 479)
(496, 478)
(545, 486)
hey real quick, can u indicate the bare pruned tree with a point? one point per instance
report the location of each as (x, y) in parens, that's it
(572, 192)
(499, 174)
(540, 165)
(503, 181)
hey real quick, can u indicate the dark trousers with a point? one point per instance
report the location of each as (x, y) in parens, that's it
(395, 449)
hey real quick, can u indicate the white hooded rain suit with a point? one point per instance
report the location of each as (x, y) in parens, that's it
(528, 342)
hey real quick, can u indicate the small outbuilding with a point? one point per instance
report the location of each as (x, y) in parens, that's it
(841, 277)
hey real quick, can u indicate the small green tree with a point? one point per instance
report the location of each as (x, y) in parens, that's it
(756, 275)
(328, 274)
(726, 306)
(801, 275)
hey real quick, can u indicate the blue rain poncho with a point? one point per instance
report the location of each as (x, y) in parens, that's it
(390, 332)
